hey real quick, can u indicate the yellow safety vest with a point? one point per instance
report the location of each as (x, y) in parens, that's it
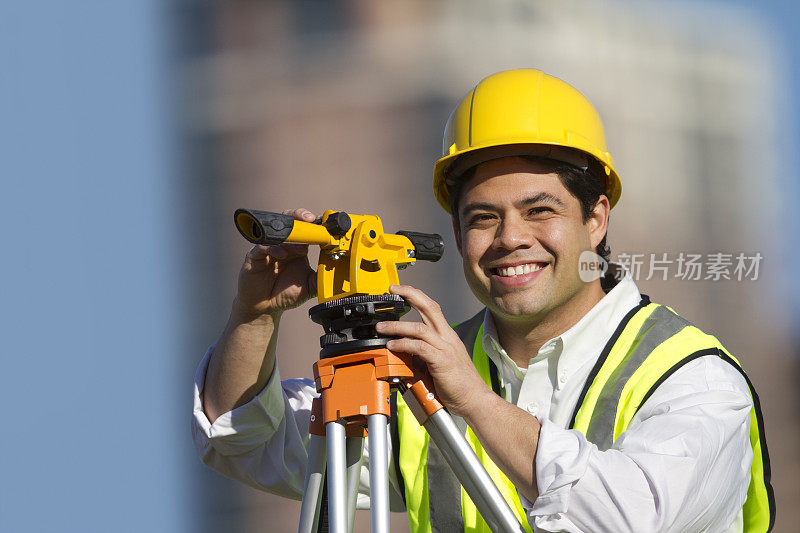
(650, 343)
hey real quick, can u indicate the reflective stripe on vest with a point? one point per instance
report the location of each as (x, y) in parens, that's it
(649, 345)
(435, 500)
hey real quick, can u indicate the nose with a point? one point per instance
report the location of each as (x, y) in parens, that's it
(513, 234)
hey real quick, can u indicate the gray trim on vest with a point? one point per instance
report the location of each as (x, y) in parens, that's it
(468, 331)
(444, 489)
(657, 328)
(444, 493)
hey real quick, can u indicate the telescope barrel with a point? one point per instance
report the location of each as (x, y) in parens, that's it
(427, 246)
(264, 227)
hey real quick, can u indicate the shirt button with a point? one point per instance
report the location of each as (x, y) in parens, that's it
(562, 377)
(533, 408)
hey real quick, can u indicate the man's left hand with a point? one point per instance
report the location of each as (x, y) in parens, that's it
(459, 386)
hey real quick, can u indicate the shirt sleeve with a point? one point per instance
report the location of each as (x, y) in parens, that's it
(264, 443)
(683, 464)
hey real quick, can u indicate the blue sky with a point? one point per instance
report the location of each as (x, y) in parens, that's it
(89, 439)
(782, 17)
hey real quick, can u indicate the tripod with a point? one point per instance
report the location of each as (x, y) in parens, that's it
(355, 378)
(356, 372)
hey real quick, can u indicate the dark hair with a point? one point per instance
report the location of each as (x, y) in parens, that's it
(582, 184)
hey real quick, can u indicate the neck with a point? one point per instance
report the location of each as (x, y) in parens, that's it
(522, 337)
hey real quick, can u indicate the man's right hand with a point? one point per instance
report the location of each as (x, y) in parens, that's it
(275, 278)
(271, 280)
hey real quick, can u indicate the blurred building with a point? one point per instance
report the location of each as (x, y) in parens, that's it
(341, 105)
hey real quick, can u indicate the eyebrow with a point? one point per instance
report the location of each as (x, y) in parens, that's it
(477, 206)
(542, 197)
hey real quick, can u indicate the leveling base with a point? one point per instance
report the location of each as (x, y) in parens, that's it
(349, 323)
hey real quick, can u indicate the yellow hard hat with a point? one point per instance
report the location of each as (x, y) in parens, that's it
(523, 112)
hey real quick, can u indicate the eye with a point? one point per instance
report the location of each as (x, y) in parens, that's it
(479, 218)
(539, 210)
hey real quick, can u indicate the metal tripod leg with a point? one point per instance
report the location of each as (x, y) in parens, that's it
(467, 468)
(315, 475)
(355, 452)
(378, 473)
(337, 477)
(362, 389)
(312, 487)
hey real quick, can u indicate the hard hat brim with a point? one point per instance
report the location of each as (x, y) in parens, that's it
(453, 166)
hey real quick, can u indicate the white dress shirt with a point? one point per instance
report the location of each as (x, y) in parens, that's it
(683, 464)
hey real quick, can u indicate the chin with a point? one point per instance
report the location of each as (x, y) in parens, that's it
(517, 306)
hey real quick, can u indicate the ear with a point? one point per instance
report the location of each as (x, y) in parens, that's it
(598, 221)
(457, 234)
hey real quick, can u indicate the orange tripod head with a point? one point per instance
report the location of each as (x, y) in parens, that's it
(356, 256)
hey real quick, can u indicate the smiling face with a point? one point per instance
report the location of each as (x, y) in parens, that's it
(520, 237)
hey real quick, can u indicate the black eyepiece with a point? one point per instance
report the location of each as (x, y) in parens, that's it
(263, 227)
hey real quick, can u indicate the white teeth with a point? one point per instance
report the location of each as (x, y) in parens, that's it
(518, 270)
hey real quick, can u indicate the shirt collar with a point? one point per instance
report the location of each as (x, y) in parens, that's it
(491, 345)
(582, 342)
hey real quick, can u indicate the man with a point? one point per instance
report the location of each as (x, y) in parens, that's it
(591, 407)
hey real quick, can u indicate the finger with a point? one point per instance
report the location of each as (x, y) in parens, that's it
(280, 252)
(415, 330)
(256, 259)
(257, 253)
(417, 347)
(301, 213)
(304, 215)
(428, 309)
(277, 252)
